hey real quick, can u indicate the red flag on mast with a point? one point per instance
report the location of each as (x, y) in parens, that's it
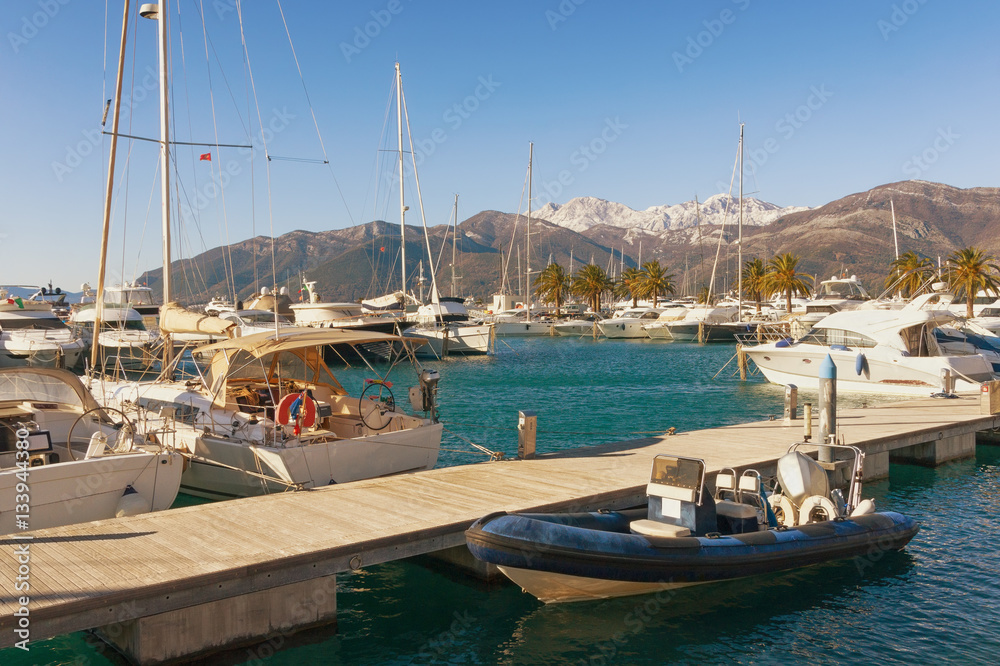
(205, 156)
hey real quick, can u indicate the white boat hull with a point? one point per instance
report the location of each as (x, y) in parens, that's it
(512, 329)
(623, 329)
(80, 491)
(889, 375)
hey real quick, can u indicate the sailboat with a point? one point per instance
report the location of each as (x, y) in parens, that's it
(517, 322)
(267, 414)
(81, 461)
(444, 323)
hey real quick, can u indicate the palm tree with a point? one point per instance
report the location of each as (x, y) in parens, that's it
(909, 272)
(970, 270)
(630, 284)
(655, 281)
(754, 280)
(704, 296)
(781, 277)
(590, 282)
(552, 284)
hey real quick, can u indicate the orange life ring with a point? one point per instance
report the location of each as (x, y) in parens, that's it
(307, 413)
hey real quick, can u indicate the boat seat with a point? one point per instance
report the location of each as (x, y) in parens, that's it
(647, 527)
(735, 518)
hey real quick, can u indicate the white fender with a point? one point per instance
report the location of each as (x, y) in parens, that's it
(132, 504)
(816, 509)
(864, 507)
(783, 509)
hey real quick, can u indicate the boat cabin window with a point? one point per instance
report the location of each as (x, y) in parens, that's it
(130, 325)
(38, 388)
(32, 323)
(651, 315)
(827, 337)
(919, 340)
(680, 472)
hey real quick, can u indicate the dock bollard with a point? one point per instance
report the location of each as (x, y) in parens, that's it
(807, 423)
(791, 403)
(527, 425)
(947, 381)
(827, 406)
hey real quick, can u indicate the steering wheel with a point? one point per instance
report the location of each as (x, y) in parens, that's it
(382, 395)
(121, 443)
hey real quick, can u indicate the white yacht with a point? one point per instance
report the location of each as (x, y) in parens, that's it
(124, 340)
(446, 328)
(833, 295)
(268, 415)
(31, 334)
(584, 325)
(629, 324)
(709, 322)
(81, 463)
(903, 352)
(515, 323)
(331, 314)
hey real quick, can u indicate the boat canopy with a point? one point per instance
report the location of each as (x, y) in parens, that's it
(294, 354)
(42, 385)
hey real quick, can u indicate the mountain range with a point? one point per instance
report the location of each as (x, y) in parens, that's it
(852, 235)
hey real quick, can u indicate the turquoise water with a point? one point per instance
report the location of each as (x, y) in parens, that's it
(936, 601)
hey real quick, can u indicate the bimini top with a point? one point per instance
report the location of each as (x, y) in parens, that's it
(261, 344)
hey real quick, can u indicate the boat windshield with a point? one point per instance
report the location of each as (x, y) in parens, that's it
(676, 471)
(829, 337)
(263, 318)
(37, 388)
(130, 325)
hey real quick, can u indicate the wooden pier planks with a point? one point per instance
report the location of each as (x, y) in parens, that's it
(92, 574)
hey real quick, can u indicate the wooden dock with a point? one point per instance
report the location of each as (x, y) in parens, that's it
(118, 571)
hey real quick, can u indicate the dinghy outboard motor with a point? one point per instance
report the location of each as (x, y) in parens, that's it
(423, 398)
(800, 477)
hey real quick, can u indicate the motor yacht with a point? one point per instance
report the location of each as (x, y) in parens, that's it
(629, 323)
(32, 335)
(905, 352)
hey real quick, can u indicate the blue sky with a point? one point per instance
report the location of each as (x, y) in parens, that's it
(635, 102)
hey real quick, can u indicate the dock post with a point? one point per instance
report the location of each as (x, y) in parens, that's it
(791, 403)
(827, 407)
(807, 423)
(741, 362)
(527, 425)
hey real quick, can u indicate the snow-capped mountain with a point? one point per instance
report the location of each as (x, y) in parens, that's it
(583, 213)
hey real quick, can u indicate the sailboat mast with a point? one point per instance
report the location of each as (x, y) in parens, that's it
(454, 244)
(159, 13)
(895, 239)
(527, 244)
(102, 268)
(739, 253)
(402, 207)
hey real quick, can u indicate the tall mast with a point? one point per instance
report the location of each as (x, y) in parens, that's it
(454, 244)
(895, 239)
(527, 244)
(102, 269)
(159, 13)
(739, 253)
(402, 207)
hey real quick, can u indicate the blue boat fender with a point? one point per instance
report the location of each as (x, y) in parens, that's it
(861, 365)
